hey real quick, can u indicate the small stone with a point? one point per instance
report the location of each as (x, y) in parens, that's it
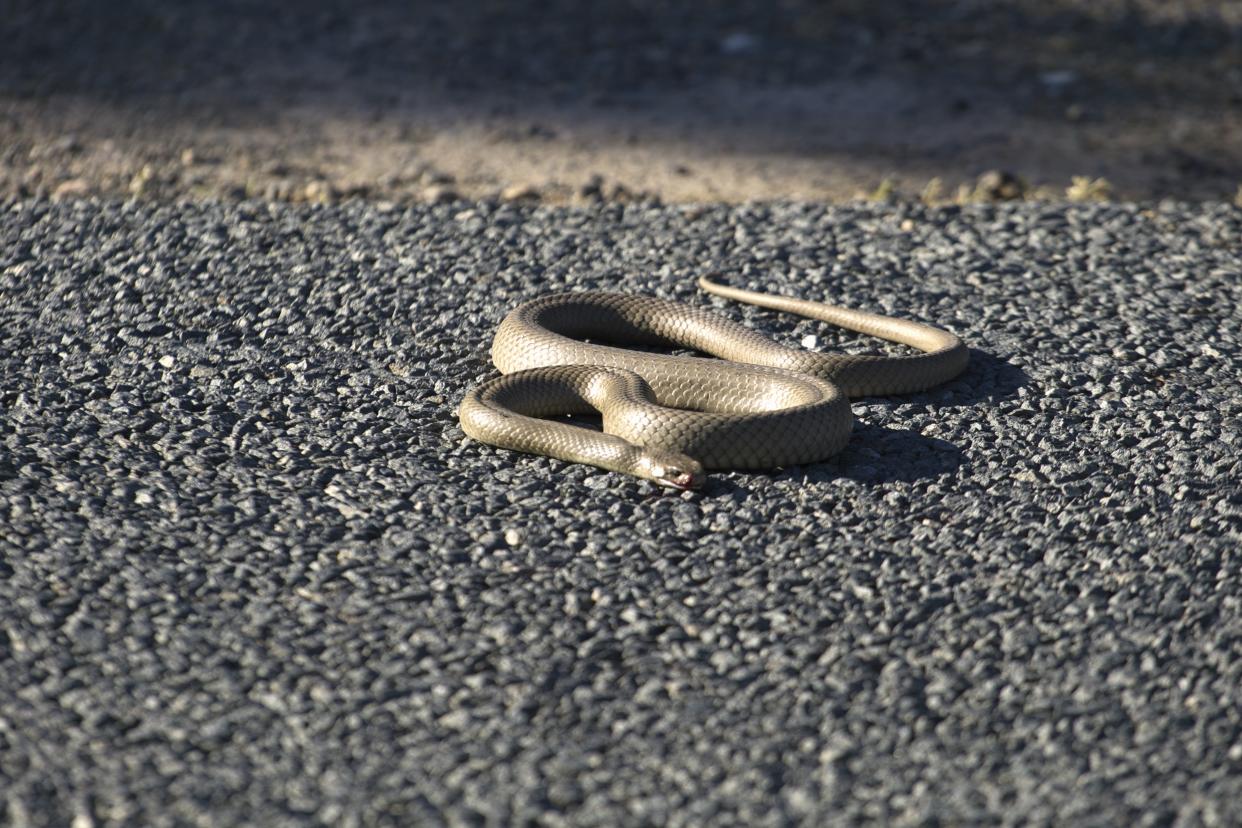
(168, 360)
(593, 188)
(519, 192)
(435, 177)
(318, 192)
(619, 192)
(187, 156)
(810, 341)
(143, 498)
(456, 720)
(138, 184)
(347, 511)
(598, 481)
(68, 144)
(1058, 79)
(513, 537)
(282, 191)
(1000, 185)
(73, 188)
(440, 194)
(739, 43)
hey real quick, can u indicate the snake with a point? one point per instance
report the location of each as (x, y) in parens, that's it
(758, 404)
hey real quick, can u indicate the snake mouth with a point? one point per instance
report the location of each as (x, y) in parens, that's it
(670, 469)
(685, 481)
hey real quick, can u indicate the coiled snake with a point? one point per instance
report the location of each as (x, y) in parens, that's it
(666, 418)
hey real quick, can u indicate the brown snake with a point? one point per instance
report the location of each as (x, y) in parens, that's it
(666, 418)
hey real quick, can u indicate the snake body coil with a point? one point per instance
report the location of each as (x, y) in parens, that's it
(666, 418)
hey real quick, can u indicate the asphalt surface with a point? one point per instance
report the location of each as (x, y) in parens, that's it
(252, 572)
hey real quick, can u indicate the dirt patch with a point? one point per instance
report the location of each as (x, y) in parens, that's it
(827, 101)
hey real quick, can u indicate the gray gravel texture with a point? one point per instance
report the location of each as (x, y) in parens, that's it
(251, 571)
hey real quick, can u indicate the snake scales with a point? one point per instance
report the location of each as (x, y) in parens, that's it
(666, 418)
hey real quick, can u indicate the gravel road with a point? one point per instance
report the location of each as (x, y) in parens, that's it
(252, 572)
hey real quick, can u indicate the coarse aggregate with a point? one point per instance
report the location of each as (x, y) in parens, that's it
(252, 572)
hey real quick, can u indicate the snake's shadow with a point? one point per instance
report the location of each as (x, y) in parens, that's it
(883, 454)
(987, 378)
(875, 455)
(879, 454)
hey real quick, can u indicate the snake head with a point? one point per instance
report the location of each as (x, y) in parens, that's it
(676, 471)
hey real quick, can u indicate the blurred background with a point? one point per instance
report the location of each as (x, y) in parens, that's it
(576, 101)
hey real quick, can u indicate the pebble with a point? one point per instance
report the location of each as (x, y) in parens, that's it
(440, 194)
(520, 192)
(73, 188)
